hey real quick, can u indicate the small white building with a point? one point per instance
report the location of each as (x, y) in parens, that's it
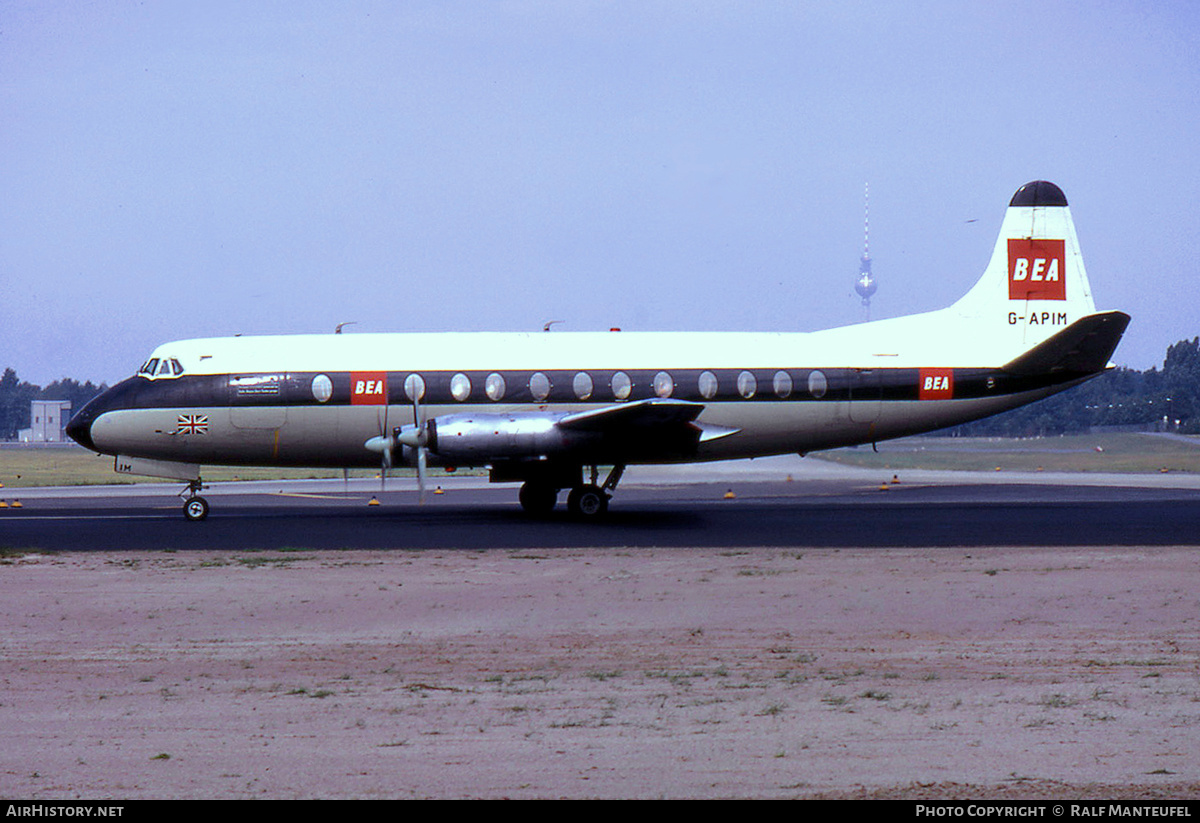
(48, 422)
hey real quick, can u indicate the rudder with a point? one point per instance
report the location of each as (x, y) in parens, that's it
(1035, 284)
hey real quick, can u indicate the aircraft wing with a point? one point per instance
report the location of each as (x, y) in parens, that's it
(642, 414)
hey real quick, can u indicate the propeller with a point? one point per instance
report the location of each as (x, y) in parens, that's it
(383, 444)
(417, 437)
(386, 451)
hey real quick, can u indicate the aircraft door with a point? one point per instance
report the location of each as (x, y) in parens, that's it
(256, 401)
(866, 395)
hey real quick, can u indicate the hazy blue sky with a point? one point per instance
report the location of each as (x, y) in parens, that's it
(191, 169)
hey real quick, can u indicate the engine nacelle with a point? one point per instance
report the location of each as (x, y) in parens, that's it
(481, 438)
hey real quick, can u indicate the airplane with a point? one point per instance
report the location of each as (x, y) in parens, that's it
(549, 410)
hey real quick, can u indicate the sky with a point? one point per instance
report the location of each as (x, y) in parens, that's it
(203, 168)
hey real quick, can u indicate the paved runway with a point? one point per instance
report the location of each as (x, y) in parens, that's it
(823, 508)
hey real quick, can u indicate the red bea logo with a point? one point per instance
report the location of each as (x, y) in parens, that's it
(1036, 270)
(368, 388)
(936, 384)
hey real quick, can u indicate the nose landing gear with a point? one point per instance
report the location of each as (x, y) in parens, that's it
(195, 507)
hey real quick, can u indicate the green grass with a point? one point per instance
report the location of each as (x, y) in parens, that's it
(1122, 453)
(28, 466)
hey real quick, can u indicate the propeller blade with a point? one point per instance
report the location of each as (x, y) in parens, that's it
(387, 449)
(417, 438)
(421, 474)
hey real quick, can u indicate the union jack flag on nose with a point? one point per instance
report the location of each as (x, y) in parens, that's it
(192, 424)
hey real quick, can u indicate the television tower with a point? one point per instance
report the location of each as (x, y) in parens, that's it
(866, 282)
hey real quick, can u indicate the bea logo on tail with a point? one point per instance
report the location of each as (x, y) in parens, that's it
(1036, 269)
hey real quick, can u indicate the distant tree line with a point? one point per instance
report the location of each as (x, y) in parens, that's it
(16, 395)
(1166, 399)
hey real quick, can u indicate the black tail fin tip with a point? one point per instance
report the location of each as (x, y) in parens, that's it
(1039, 193)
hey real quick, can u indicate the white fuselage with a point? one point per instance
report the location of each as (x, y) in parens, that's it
(258, 400)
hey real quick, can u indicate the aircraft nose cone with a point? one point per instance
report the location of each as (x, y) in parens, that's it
(80, 430)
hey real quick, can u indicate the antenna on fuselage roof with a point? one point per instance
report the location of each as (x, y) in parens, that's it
(340, 326)
(550, 323)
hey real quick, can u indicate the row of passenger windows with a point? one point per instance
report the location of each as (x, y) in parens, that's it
(620, 386)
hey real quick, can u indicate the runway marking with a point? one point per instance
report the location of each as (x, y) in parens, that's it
(90, 517)
(316, 496)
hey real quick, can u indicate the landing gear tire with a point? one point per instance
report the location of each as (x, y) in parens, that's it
(538, 499)
(587, 501)
(195, 508)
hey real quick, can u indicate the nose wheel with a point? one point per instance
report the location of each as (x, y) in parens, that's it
(195, 507)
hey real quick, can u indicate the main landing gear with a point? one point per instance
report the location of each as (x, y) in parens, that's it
(586, 499)
(195, 507)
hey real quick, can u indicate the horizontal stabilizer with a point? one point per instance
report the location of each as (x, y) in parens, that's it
(1084, 347)
(642, 414)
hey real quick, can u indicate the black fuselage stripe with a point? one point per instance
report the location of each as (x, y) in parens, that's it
(297, 388)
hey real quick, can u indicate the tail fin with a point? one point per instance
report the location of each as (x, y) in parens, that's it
(1035, 285)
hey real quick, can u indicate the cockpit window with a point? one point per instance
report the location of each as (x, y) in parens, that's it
(161, 367)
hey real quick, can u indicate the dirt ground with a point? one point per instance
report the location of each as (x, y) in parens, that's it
(758, 673)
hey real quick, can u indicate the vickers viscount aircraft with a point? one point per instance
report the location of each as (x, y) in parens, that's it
(549, 410)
